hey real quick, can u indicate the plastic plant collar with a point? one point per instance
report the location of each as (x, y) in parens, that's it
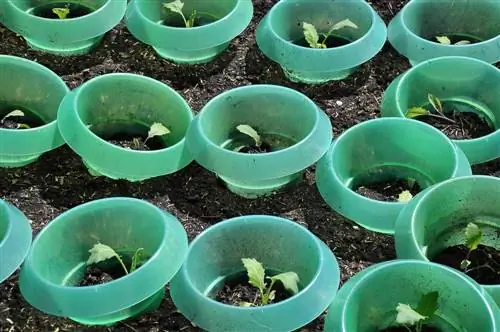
(463, 80)
(217, 22)
(125, 104)
(281, 246)
(15, 239)
(298, 132)
(36, 91)
(367, 302)
(380, 150)
(77, 34)
(470, 23)
(280, 37)
(437, 219)
(57, 260)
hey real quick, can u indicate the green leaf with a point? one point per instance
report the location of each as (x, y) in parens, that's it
(175, 6)
(62, 13)
(462, 42)
(157, 129)
(246, 304)
(415, 112)
(405, 196)
(428, 304)
(443, 40)
(137, 259)
(23, 126)
(100, 252)
(249, 131)
(289, 279)
(347, 23)
(255, 272)
(12, 114)
(465, 264)
(311, 35)
(473, 236)
(435, 102)
(272, 295)
(407, 316)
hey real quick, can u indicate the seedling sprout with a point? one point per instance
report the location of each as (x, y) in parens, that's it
(426, 308)
(446, 41)
(101, 252)
(62, 13)
(473, 237)
(436, 104)
(312, 37)
(16, 113)
(176, 6)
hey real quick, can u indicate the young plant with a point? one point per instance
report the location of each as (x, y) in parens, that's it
(15, 113)
(312, 37)
(257, 276)
(101, 252)
(473, 237)
(156, 129)
(62, 13)
(250, 132)
(436, 104)
(409, 317)
(176, 6)
(446, 41)
(405, 196)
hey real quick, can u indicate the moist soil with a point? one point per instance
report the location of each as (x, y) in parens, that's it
(239, 290)
(425, 328)
(387, 191)
(95, 276)
(59, 181)
(485, 262)
(136, 143)
(467, 125)
(331, 42)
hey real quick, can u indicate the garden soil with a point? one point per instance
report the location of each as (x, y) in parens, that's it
(59, 181)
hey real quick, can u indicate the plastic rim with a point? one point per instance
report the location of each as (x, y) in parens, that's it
(256, 167)
(92, 301)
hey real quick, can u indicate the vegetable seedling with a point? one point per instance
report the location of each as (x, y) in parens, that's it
(446, 41)
(436, 104)
(176, 6)
(62, 13)
(405, 196)
(257, 276)
(426, 308)
(156, 129)
(473, 237)
(312, 36)
(15, 113)
(101, 252)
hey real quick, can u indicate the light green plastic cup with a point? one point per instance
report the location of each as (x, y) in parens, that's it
(405, 148)
(114, 103)
(410, 30)
(29, 86)
(271, 110)
(72, 36)
(436, 219)
(15, 239)
(199, 44)
(461, 79)
(57, 260)
(367, 302)
(282, 26)
(281, 246)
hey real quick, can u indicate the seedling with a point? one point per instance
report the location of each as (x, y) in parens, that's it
(436, 104)
(156, 129)
(257, 276)
(312, 36)
(426, 308)
(473, 237)
(176, 6)
(446, 41)
(405, 196)
(62, 13)
(250, 132)
(101, 252)
(16, 113)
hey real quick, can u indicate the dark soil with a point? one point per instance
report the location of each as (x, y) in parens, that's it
(263, 148)
(425, 328)
(95, 276)
(237, 290)
(485, 262)
(136, 143)
(20, 122)
(387, 191)
(331, 42)
(59, 180)
(467, 125)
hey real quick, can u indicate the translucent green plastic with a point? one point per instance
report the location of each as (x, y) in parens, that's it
(28, 85)
(282, 26)
(467, 80)
(269, 109)
(437, 218)
(194, 45)
(420, 20)
(112, 103)
(281, 246)
(57, 260)
(15, 239)
(405, 148)
(367, 302)
(72, 36)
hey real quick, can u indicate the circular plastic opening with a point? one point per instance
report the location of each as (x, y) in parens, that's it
(43, 9)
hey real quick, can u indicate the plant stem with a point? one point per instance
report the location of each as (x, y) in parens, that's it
(121, 262)
(441, 116)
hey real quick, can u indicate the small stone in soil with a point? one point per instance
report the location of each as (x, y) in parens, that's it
(95, 276)
(387, 191)
(425, 328)
(479, 258)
